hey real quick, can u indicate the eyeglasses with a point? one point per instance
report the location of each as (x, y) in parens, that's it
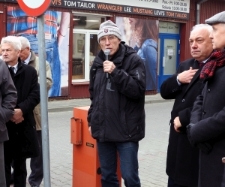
(109, 38)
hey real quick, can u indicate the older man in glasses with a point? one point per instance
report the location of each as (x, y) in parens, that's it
(116, 116)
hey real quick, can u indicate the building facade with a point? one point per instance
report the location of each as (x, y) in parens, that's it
(157, 29)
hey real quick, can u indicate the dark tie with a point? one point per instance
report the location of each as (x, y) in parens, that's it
(12, 72)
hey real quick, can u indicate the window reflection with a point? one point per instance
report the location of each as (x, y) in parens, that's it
(78, 56)
(84, 52)
(94, 48)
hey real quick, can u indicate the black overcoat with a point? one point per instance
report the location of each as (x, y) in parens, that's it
(207, 130)
(182, 157)
(8, 99)
(28, 96)
(117, 110)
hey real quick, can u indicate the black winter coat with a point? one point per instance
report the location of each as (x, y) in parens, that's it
(28, 96)
(182, 157)
(117, 110)
(207, 130)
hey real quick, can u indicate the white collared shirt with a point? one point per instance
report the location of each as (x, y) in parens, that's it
(28, 59)
(15, 67)
(204, 61)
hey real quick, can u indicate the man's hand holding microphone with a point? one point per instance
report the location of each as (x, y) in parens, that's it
(108, 66)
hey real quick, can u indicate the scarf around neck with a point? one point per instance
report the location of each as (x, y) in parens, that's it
(217, 59)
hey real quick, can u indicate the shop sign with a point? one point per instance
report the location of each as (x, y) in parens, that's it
(163, 8)
(178, 9)
(172, 5)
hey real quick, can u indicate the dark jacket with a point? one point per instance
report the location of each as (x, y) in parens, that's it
(207, 130)
(28, 92)
(117, 104)
(182, 158)
(8, 98)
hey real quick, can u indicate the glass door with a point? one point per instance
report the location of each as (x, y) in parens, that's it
(85, 48)
(169, 55)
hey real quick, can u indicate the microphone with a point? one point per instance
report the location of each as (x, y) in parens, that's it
(107, 52)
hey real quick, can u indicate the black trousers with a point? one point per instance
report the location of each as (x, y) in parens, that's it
(171, 183)
(2, 166)
(19, 168)
(36, 165)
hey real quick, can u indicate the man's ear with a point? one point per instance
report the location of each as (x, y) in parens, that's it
(18, 53)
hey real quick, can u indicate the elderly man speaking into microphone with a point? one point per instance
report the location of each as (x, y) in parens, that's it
(116, 116)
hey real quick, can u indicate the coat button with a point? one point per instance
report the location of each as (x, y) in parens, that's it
(203, 113)
(183, 100)
(209, 90)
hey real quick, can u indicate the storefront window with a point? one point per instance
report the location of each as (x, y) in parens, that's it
(78, 56)
(94, 48)
(85, 45)
(169, 27)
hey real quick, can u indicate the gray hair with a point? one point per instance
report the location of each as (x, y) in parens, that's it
(24, 42)
(13, 40)
(202, 26)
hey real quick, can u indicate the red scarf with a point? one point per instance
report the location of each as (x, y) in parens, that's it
(217, 59)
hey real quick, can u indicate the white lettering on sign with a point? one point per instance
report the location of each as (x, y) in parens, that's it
(172, 5)
(79, 4)
(85, 5)
(70, 3)
(33, 4)
(159, 12)
(127, 9)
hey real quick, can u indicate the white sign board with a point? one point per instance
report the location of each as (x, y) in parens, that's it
(170, 5)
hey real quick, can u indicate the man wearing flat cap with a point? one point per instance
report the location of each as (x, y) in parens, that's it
(207, 125)
(116, 116)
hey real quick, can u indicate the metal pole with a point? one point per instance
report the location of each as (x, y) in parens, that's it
(44, 102)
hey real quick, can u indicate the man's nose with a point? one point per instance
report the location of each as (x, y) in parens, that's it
(194, 45)
(107, 41)
(211, 36)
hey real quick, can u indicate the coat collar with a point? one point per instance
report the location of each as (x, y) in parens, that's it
(32, 61)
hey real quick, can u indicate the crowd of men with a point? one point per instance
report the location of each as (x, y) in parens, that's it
(116, 117)
(20, 113)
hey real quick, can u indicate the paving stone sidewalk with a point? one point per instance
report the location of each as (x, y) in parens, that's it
(152, 151)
